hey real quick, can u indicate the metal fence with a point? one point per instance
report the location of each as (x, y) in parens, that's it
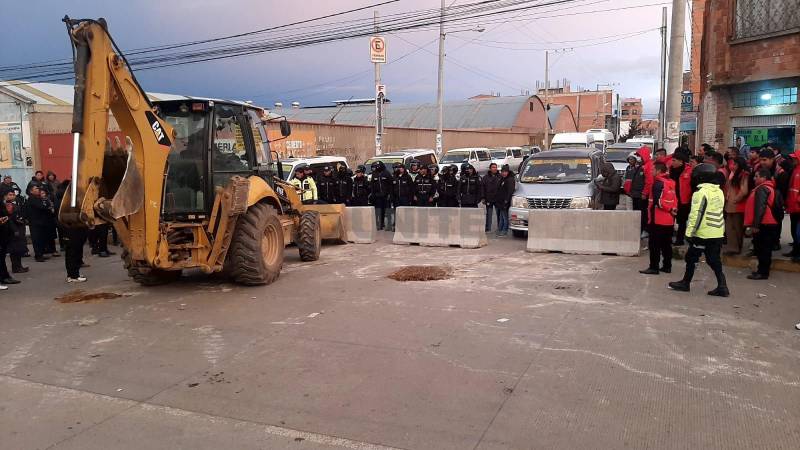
(759, 17)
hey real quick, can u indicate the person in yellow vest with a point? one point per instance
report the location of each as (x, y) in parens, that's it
(705, 229)
(306, 184)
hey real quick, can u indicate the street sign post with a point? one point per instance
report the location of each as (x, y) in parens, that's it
(377, 50)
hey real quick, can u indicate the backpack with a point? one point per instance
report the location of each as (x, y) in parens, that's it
(669, 198)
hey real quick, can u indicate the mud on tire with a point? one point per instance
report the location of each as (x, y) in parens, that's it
(255, 255)
(148, 276)
(309, 236)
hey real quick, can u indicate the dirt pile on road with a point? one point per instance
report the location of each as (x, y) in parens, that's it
(80, 296)
(421, 273)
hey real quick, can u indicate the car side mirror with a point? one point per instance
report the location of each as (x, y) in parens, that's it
(286, 129)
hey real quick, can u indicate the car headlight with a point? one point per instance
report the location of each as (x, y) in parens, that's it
(519, 202)
(580, 203)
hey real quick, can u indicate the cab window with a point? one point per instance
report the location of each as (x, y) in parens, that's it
(425, 159)
(483, 155)
(516, 152)
(229, 153)
(185, 184)
(259, 138)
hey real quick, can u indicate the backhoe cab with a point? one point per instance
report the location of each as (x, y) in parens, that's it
(193, 187)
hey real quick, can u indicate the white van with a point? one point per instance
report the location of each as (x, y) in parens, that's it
(479, 157)
(316, 163)
(601, 137)
(572, 140)
(644, 139)
(507, 155)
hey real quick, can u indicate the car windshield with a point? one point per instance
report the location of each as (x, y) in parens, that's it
(498, 154)
(618, 155)
(557, 170)
(455, 157)
(387, 161)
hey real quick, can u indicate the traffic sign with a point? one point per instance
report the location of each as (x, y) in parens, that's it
(377, 50)
(380, 90)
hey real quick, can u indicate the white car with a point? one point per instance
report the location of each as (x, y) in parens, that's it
(507, 155)
(479, 157)
(423, 155)
(317, 163)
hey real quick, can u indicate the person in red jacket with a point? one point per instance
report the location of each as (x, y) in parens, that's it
(793, 206)
(681, 174)
(760, 220)
(737, 189)
(661, 211)
(644, 153)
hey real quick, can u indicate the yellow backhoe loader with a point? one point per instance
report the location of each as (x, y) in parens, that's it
(196, 186)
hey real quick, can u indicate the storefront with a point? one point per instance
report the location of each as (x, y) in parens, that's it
(766, 112)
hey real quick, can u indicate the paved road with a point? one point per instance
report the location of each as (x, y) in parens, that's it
(334, 355)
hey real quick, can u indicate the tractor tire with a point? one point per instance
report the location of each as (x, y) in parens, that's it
(148, 276)
(309, 236)
(255, 256)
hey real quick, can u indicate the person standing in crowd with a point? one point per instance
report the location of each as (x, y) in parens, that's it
(327, 186)
(344, 185)
(634, 187)
(742, 148)
(52, 184)
(661, 212)
(737, 189)
(470, 189)
(793, 206)
(647, 191)
(705, 230)
(434, 169)
(309, 172)
(360, 189)
(17, 245)
(489, 186)
(37, 180)
(7, 238)
(10, 185)
(306, 184)
(414, 167)
(504, 193)
(609, 187)
(41, 218)
(718, 161)
(74, 241)
(380, 192)
(660, 153)
(763, 212)
(448, 187)
(402, 190)
(424, 188)
(681, 173)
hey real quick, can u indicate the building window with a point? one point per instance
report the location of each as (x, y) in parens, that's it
(766, 97)
(759, 17)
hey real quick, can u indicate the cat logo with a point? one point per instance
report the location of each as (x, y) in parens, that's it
(158, 130)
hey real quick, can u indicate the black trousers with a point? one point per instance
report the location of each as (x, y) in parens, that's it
(39, 236)
(681, 219)
(16, 261)
(3, 267)
(75, 239)
(380, 204)
(763, 242)
(359, 201)
(448, 202)
(99, 239)
(712, 249)
(609, 207)
(659, 243)
(794, 219)
(640, 204)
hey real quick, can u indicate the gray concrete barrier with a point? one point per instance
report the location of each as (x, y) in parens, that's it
(441, 227)
(584, 232)
(359, 224)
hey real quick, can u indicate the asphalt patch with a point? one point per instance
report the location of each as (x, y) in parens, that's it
(421, 273)
(80, 296)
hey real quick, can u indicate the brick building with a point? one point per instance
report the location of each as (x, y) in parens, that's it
(746, 67)
(592, 109)
(631, 109)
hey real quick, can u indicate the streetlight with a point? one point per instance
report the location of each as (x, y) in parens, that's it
(440, 88)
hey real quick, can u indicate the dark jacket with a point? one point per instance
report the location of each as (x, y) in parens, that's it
(505, 191)
(345, 186)
(470, 190)
(490, 182)
(360, 191)
(425, 189)
(609, 187)
(40, 212)
(448, 187)
(35, 182)
(380, 185)
(12, 233)
(328, 188)
(403, 191)
(636, 176)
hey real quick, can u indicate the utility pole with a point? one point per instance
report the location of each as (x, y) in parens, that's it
(661, 109)
(619, 117)
(440, 89)
(546, 139)
(675, 79)
(378, 105)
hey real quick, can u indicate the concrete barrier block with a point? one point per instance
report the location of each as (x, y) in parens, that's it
(441, 227)
(359, 224)
(584, 232)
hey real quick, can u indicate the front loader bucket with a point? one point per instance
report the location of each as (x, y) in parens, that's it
(331, 219)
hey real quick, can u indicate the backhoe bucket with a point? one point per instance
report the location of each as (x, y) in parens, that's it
(331, 221)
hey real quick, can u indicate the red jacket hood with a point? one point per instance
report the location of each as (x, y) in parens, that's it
(645, 152)
(796, 155)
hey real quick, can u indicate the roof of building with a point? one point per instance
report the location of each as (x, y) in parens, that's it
(481, 113)
(555, 112)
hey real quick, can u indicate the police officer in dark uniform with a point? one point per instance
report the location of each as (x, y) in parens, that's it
(380, 192)
(448, 188)
(345, 185)
(470, 189)
(424, 188)
(360, 188)
(413, 168)
(328, 186)
(403, 192)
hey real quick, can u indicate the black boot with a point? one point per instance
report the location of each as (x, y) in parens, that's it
(720, 291)
(682, 286)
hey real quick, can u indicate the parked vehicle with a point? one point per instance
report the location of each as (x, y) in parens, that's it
(555, 179)
(617, 154)
(423, 155)
(571, 140)
(644, 139)
(601, 137)
(479, 157)
(317, 163)
(530, 150)
(507, 155)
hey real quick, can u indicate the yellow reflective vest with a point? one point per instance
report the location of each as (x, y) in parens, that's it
(706, 218)
(307, 186)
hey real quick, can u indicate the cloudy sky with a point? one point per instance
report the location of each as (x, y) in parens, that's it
(506, 58)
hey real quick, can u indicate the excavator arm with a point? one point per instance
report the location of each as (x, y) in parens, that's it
(122, 188)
